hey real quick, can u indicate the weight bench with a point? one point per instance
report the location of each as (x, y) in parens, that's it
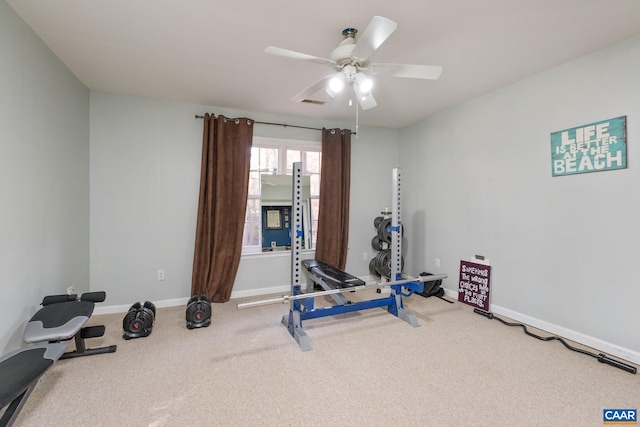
(335, 282)
(329, 277)
(20, 372)
(62, 317)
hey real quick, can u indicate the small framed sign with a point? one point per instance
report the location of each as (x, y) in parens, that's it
(599, 146)
(474, 284)
(273, 220)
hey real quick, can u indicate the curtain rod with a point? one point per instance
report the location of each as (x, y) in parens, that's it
(277, 124)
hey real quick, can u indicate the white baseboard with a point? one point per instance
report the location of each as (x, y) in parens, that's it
(596, 343)
(286, 289)
(113, 309)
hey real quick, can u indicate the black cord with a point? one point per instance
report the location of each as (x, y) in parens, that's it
(602, 358)
(444, 299)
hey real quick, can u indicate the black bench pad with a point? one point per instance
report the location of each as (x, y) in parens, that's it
(58, 322)
(21, 369)
(331, 275)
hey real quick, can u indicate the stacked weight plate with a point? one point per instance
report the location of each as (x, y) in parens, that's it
(380, 264)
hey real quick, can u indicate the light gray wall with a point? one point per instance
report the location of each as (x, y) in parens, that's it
(44, 177)
(374, 155)
(145, 171)
(564, 250)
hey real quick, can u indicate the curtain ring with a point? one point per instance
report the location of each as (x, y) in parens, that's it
(249, 122)
(333, 131)
(225, 120)
(237, 121)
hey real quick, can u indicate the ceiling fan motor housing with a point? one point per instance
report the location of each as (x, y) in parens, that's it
(342, 54)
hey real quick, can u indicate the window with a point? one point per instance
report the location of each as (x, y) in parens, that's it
(270, 193)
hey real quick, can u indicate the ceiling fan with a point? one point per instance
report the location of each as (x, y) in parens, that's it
(350, 61)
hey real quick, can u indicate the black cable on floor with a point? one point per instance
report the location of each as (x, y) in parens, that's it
(602, 358)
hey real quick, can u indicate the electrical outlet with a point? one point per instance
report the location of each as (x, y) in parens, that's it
(160, 274)
(437, 262)
(365, 256)
(71, 290)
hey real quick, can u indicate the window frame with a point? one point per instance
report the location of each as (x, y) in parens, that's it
(282, 145)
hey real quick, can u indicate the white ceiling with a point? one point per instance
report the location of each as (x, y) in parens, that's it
(210, 52)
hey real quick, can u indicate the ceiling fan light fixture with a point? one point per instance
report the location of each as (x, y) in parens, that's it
(336, 84)
(365, 84)
(359, 95)
(366, 100)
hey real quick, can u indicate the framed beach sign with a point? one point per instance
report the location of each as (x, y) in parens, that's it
(595, 147)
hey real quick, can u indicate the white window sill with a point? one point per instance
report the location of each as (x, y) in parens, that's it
(277, 254)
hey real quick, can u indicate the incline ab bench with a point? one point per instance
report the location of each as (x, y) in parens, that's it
(20, 372)
(62, 317)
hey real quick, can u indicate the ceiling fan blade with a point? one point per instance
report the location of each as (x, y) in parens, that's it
(378, 30)
(272, 50)
(431, 72)
(316, 87)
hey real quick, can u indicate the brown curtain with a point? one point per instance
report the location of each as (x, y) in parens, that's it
(224, 179)
(335, 180)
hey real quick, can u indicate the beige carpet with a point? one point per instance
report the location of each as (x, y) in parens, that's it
(365, 369)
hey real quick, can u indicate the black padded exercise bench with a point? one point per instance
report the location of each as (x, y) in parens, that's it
(63, 317)
(328, 278)
(20, 372)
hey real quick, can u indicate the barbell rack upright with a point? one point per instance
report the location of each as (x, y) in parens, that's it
(293, 321)
(396, 250)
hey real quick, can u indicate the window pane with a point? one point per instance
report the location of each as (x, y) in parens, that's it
(315, 204)
(312, 162)
(292, 157)
(251, 235)
(269, 160)
(254, 183)
(314, 233)
(255, 158)
(315, 184)
(253, 210)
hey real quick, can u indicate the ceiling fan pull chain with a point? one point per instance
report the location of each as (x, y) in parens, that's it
(357, 120)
